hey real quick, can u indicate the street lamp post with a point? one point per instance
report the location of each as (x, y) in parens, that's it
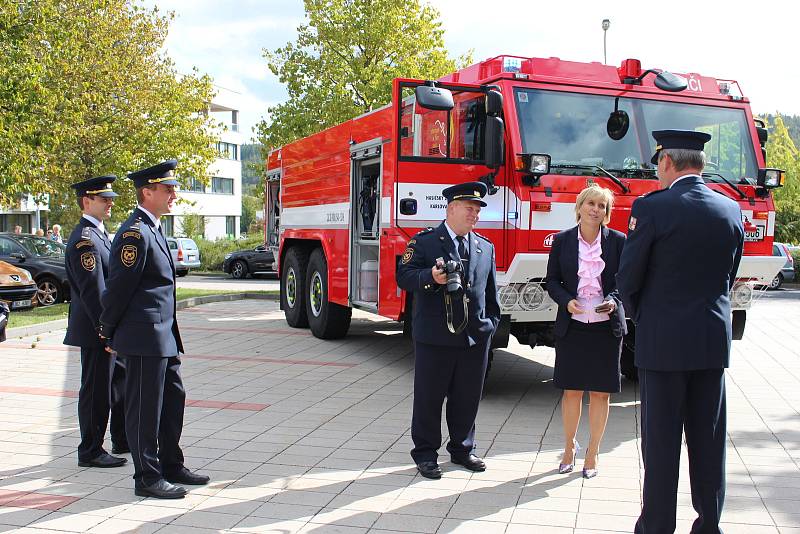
(606, 24)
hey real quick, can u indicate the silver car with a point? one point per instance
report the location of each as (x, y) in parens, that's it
(185, 254)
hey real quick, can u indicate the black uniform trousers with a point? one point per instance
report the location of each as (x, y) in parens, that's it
(154, 404)
(455, 373)
(94, 401)
(692, 401)
(117, 424)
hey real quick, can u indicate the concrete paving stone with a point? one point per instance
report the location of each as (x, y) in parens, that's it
(544, 517)
(345, 517)
(480, 512)
(303, 497)
(540, 529)
(207, 519)
(408, 523)
(332, 529)
(263, 525)
(459, 526)
(20, 517)
(125, 526)
(67, 521)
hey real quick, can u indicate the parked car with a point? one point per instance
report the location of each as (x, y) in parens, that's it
(254, 261)
(185, 254)
(17, 287)
(786, 273)
(44, 259)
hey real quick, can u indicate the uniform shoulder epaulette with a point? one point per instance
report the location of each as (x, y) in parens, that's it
(651, 193)
(425, 231)
(482, 237)
(85, 240)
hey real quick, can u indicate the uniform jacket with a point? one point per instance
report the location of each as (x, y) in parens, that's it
(429, 315)
(139, 312)
(87, 268)
(679, 264)
(562, 276)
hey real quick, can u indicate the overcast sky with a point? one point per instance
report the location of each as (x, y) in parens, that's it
(757, 47)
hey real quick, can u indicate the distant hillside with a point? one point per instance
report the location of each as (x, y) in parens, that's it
(252, 166)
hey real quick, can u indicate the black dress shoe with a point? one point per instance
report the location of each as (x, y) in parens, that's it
(471, 462)
(430, 470)
(184, 476)
(161, 490)
(119, 448)
(104, 460)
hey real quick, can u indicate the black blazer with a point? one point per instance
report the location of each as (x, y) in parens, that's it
(562, 276)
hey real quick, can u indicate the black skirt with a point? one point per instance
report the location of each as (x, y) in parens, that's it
(587, 358)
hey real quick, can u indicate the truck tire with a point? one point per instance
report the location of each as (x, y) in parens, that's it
(293, 287)
(327, 320)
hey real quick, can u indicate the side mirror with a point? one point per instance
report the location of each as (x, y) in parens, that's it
(408, 206)
(763, 135)
(435, 98)
(494, 103)
(618, 122)
(494, 147)
(666, 81)
(770, 178)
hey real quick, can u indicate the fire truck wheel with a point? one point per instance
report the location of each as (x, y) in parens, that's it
(327, 319)
(293, 283)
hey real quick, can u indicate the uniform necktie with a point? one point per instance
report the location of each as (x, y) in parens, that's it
(462, 248)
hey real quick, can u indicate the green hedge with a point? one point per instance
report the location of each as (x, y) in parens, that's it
(212, 253)
(796, 256)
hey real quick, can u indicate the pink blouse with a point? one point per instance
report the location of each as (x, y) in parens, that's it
(590, 285)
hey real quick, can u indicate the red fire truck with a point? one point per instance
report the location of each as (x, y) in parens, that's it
(343, 203)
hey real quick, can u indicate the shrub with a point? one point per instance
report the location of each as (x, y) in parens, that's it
(796, 256)
(212, 253)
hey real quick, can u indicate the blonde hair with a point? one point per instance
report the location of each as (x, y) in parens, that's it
(595, 191)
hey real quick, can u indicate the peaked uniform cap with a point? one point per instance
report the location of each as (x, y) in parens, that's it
(685, 139)
(99, 185)
(466, 191)
(163, 173)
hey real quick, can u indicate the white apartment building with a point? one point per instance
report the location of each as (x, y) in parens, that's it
(27, 213)
(219, 201)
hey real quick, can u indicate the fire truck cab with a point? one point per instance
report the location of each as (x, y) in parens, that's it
(343, 203)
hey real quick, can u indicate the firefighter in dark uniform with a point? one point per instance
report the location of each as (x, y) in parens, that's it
(451, 272)
(679, 264)
(140, 322)
(87, 268)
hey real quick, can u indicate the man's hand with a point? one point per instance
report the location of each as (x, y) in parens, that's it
(439, 276)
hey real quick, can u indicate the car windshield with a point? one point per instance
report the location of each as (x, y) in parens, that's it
(39, 246)
(188, 244)
(571, 128)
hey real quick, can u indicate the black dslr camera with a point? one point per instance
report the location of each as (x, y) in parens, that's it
(453, 270)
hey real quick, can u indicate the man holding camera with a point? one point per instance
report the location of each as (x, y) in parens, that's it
(451, 272)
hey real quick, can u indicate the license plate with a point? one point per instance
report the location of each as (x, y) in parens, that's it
(755, 235)
(192, 257)
(21, 304)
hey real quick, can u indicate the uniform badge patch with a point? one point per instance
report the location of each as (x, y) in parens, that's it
(632, 224)
(87, 261)
(135, 235)
(407, 255)
(128, 255)
(80, 244)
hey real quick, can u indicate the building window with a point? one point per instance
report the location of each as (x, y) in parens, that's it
(168, 223)
(222, 186)
(230, 225)
(195, 185)
(228, 150)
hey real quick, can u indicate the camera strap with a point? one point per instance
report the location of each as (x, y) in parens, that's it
(448, 306)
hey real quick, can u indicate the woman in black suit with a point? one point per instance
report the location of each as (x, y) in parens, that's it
(590, 323)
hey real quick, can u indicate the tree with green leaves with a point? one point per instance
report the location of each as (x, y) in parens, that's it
(344, 59)
(86, 91)
(783, 154)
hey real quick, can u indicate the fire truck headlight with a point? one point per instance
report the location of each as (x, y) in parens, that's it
(508, 297)
(741, 295)
(532, 296)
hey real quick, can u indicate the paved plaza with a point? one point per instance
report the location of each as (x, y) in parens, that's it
(304, 435)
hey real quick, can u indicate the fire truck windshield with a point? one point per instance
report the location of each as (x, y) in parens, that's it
(571, 127)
